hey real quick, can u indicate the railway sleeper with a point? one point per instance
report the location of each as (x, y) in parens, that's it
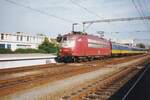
(100, 90)
(96, 97)
(104, 93)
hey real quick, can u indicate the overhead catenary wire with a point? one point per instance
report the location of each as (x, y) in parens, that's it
(140, 12)
(86, 9)
(141, 8)
(144, 2)
(137, 9)
(118, 19)
(136, 31)
(39, 11)
(89, 11)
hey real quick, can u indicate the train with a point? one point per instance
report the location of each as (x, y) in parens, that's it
(77, 46)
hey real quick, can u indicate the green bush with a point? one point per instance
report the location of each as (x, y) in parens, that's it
(48, 47)
(28, 50)
(5, 51)
(41, 51)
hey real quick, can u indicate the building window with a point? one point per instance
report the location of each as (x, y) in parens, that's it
(23, 46)
(17, 37)
(21, 38)
(7, 36)
(37, 39)
(34, 38)
(2, 45)
(2, 36)
(9, 46)
(27, 38)
(30, 38)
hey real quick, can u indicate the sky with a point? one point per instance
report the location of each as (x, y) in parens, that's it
(23, 17)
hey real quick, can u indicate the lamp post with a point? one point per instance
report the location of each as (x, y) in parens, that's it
(73, 26)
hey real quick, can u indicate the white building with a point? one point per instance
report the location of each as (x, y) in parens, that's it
(20, 40)
(134, 42)
(126, 42)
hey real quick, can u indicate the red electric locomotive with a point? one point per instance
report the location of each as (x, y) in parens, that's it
(77, 46)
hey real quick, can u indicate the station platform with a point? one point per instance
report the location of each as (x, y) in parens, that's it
(10, 57)
(21, 60)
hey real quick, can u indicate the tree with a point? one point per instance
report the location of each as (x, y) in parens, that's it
(140, 45)
(48, 47)
(40, 34)
(149, 48)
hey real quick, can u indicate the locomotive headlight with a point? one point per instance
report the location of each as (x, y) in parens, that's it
(60, 50)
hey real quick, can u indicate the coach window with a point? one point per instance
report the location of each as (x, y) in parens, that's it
(2, 36)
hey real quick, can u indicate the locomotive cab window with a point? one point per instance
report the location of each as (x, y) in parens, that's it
(68, 42)
(64, 38)
(59, 39)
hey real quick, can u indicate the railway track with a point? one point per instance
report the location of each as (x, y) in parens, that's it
(50, 73)
(20, 80)
(103, 89)
(39, 67)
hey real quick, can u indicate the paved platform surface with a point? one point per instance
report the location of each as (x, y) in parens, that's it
(140, 91)
(24, 56)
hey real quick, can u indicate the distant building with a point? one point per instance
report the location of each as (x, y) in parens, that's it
(21, 40)
(134, 42)
(126, 42)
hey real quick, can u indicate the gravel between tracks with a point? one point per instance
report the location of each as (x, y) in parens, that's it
(54, 90)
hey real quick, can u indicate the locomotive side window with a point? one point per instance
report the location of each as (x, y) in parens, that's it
(92, 45)
(96, 44)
